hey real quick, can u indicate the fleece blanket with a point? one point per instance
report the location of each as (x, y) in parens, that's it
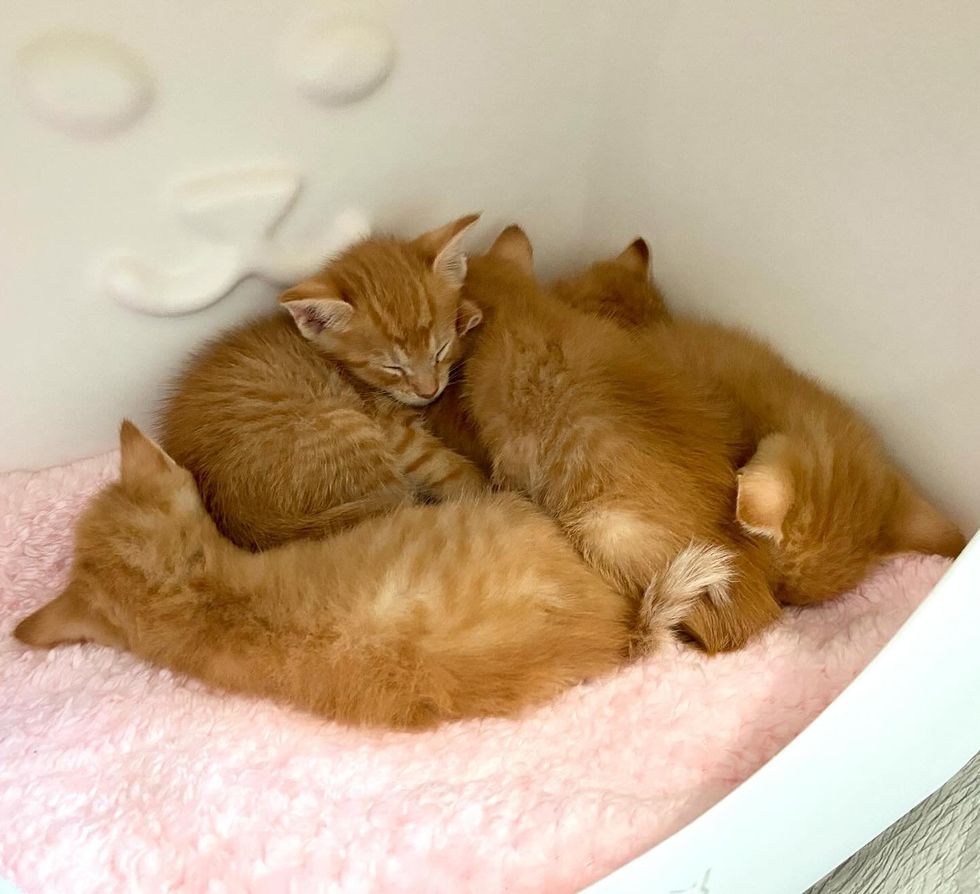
(116, 776)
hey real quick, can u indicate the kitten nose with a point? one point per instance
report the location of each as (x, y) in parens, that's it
(426, 386)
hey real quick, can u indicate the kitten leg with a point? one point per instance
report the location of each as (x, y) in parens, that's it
(432, 467)
(625, 546)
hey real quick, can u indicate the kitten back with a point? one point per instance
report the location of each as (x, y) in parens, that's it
(432, 613)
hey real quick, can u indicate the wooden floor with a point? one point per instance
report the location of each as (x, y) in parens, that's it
(935, 849)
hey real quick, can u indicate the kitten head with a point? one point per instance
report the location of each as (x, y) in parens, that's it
(134, 535)
(619, 288)
(833, 512)
(390, 311)
(503, 272)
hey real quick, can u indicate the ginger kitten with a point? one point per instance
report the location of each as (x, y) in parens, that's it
(634, 460)
(449, 418)
(820, 493)
(298, 424)
(619, 288)
(433, 613)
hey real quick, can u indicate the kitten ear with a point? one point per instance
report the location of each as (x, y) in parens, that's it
(67, 619)
(765, 488)
(442, 247)
(316, 308)
(635, 257)
(141, 458)
(915, 525)
(468, 317)
(513, 245)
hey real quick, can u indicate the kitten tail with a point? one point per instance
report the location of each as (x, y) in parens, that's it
(333, 519)
(696, 571)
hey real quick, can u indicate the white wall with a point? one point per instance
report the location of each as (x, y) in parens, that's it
(814, 170)
(483, 110)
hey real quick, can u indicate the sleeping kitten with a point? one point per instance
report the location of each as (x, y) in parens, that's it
(467, 609)
(449, 418)
(633, 460)
(820, 493)
(299, 424)
(619, 289)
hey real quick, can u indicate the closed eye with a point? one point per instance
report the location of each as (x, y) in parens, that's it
(441, 353)
(395, 370)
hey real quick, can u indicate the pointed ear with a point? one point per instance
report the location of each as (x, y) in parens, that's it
(514, 246)
(915, 525)
(765, 488)
(468, 317)
(316, 308)
(443, 249)
(142, 459)
(67, 619)
(635, 257)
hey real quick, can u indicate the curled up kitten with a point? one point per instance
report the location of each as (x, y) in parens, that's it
(308, 420)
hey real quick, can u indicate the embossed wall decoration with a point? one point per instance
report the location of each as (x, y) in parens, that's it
(83, 83)
(336, 61)
(237, 214)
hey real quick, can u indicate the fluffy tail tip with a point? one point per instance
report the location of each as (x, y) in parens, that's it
(700, 569)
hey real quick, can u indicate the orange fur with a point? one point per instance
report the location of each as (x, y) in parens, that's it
(820, 495)
(449, 418)
(633, 460)
(610, 289)
(291, 436)
(432, 613)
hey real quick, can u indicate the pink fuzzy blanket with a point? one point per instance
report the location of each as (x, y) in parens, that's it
(115, 776)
